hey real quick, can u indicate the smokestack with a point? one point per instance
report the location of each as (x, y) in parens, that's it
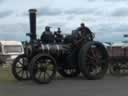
(32, 16)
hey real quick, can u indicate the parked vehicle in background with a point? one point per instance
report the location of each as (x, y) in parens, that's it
(9, 50)
(118, 58)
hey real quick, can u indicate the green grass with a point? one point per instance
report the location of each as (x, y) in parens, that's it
(6, 75)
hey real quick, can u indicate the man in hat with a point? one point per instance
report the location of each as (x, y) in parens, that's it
(80, 36)
(47, 37)
(58, 36)
(84, 34)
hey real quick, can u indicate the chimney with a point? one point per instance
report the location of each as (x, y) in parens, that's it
(32, 16)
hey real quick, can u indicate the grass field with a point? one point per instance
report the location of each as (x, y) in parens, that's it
(7, 77)
(5, 74)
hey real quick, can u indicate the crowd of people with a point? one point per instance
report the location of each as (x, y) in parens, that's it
(49, 37)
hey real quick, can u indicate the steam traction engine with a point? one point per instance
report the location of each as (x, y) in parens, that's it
(41, 61)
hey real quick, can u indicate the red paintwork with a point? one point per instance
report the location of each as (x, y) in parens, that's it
(117, 51)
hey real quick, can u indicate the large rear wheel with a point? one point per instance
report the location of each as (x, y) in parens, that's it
(93, 59)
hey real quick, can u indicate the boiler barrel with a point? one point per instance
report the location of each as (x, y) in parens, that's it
(54, 49)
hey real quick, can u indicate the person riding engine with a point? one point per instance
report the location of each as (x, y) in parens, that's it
(58, 36)
(82, 35)
(79, 36)
(47, 37)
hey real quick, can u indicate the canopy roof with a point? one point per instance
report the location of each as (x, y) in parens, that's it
(3, 42)
(120, 44)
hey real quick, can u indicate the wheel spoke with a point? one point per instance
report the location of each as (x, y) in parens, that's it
(47, 74)
(90, 57)
(95, 57)
(93, 53)
(71, 71)
(39, 74)
(19, 67)
(23, 61)
(22, 74)
(27, 74)
(44, 75)
(20, 62)
(20, 71)
(91, 67)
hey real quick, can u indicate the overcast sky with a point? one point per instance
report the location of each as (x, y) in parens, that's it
(108, 19)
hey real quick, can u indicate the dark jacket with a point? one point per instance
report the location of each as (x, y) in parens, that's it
(47, 37)
(58, 37)
(85, 32)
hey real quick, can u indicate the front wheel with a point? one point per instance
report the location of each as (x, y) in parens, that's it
(20, 68)
(93, 60)
(43, 68)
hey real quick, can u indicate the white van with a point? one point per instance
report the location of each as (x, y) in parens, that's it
(9, 50)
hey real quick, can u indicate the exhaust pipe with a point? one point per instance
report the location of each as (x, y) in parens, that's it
(32, 17)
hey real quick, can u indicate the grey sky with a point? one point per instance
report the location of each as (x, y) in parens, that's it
(106, 18)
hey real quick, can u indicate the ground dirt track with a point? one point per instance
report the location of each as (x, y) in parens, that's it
(109, 86)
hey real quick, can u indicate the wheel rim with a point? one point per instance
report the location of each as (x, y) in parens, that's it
(21, 68)
(95, 60)
(44, 69)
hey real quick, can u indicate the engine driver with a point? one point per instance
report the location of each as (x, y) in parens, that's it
(84, 33)
(80, 36)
